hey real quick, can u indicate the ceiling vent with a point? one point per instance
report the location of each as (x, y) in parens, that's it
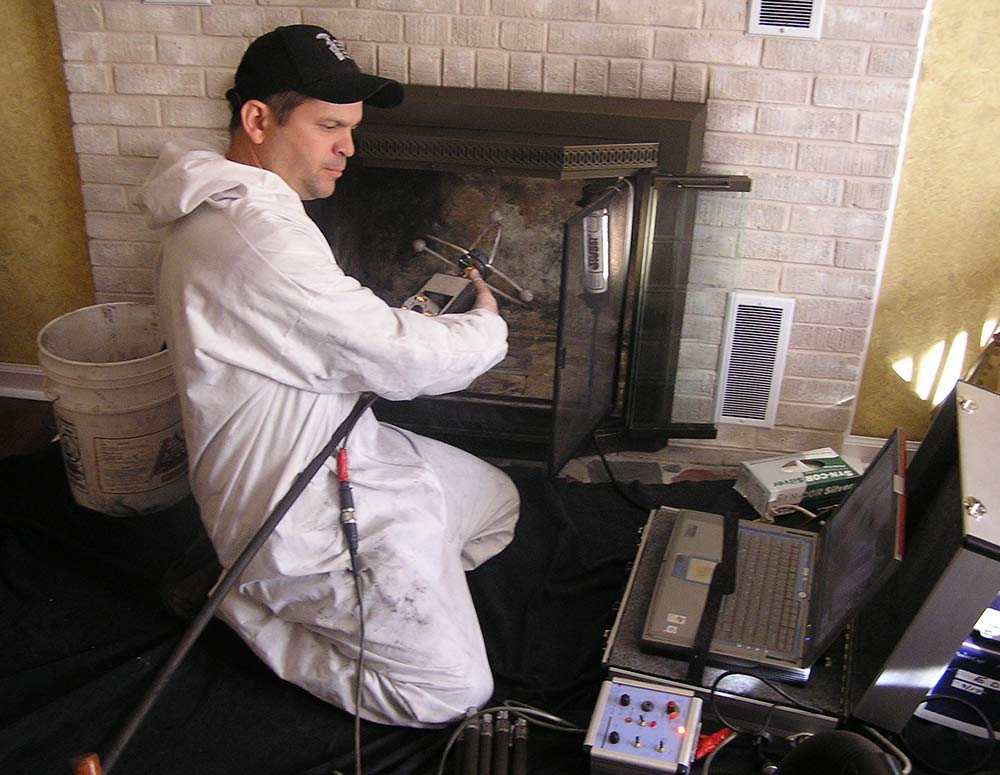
(755, 343)
(786, 18)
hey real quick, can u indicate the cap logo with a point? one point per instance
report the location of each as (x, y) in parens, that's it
(334, 45)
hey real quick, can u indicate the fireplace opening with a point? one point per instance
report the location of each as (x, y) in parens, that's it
(551, 187)
(565, 341)
(392, 229)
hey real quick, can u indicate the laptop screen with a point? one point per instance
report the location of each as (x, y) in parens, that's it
(861, 544)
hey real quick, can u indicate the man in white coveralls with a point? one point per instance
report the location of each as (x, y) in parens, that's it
(272, 346)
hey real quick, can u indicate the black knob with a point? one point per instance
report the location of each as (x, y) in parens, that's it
(625, 700)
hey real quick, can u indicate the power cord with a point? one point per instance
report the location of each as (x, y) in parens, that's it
(713, 702)
(905, 765)
(788, 508)
(359, 679)
(348, 520)
(614, 481)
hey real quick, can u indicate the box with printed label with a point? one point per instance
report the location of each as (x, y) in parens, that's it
(813, 479)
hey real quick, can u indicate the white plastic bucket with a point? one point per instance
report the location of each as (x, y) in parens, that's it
(109, 376)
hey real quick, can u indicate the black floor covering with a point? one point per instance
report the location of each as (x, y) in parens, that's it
(83, 630)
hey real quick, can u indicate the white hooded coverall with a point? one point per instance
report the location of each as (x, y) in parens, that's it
(272, 344)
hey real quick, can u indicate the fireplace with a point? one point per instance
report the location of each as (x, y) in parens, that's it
(586, 207)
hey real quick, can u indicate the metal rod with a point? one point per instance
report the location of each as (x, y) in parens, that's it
(228, 581)
(479, 237)
(437, 255)
(451, 245)
(505, 277)
(496, 243)
(501, 743)
(485, 744)
(470, 748)
(507, 296)
(448, 261)
(520, 751)
(528, 295)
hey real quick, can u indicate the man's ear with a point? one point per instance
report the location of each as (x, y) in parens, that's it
(254, 116)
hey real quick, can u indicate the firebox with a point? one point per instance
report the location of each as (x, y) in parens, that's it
(584, 208)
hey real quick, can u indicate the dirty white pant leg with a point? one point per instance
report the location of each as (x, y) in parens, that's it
(425, 661)
(482, 503)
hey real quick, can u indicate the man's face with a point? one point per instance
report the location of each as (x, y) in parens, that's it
(310, 150)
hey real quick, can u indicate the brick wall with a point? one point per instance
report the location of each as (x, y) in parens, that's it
(816, 124)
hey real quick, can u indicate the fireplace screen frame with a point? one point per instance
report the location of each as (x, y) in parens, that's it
(649, 149)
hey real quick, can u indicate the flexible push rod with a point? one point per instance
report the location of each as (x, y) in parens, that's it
(90, 763)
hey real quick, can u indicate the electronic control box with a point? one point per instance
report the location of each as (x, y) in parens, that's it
(643, 727)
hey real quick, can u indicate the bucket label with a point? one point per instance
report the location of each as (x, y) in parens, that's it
(69, 443)
(141, 463)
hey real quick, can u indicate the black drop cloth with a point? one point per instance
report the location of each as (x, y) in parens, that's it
(84, 631)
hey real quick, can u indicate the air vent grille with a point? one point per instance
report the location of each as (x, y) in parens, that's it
(756, 335)
(788, 18)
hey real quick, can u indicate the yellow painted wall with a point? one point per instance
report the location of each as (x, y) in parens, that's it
(44, 268)
(942, 277)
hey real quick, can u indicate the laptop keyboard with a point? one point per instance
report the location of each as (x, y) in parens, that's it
(763, 612)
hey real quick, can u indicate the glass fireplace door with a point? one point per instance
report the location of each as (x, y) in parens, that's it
(596, 253)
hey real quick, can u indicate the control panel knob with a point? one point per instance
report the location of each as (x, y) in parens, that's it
(625, 700)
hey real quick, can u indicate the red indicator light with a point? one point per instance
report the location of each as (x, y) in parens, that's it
(681, 729)
(652, 723)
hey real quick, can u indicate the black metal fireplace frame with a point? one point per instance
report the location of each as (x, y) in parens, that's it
(656, 146)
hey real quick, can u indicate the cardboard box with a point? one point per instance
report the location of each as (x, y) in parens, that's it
(812, 479)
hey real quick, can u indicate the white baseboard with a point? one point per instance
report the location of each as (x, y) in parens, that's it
(861, 450)
(20, 380)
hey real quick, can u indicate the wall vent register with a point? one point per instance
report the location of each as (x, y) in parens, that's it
(786, 18)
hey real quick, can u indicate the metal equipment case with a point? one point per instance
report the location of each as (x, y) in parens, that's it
(902, 641)
(950, 573)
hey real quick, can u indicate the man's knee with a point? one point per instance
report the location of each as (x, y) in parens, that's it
(418, 702)
(493, 535)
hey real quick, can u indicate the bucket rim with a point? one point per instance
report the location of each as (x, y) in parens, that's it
(42, 349)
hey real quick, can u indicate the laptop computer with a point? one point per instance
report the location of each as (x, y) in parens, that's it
(795, 590)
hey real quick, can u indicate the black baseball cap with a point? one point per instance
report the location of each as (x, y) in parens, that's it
(308, 60)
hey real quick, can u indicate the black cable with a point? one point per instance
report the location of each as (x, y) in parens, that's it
(348, 520)
(713, 702)
(359, 679)
(614, 481)
(987, 727)
(228, 581)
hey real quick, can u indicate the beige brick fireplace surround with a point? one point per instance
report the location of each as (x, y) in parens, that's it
(817, 125)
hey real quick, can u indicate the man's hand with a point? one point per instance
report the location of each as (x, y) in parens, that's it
(484, 296)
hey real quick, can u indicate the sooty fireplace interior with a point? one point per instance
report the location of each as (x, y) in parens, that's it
(586, 207)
